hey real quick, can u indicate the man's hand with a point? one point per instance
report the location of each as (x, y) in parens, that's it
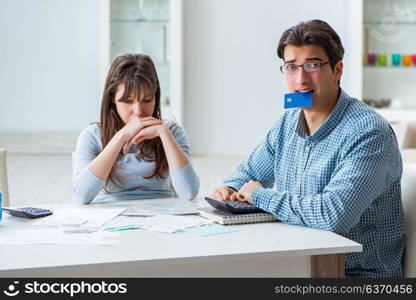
(224, 193)
(247, 190)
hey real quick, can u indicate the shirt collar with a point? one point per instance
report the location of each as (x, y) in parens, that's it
(330, 123)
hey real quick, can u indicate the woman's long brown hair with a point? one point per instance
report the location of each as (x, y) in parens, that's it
(136, 72)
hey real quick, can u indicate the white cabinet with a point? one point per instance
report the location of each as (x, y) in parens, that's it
(389, 55)
(151, 27)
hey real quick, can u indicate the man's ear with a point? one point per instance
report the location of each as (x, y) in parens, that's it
(338, 68)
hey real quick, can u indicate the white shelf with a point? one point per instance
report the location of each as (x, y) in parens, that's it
(389, 69)
(381, 23)
(387, 32)
(140, 21)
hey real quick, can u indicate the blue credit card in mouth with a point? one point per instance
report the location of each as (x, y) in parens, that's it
(293, 100)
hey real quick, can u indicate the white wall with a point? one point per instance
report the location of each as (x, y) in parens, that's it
(48, 59)
(52, 71)
(233, 85)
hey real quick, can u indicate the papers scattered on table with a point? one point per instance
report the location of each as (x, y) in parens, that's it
(209, 230)
(171, 224)
(79, 219)
(82, 225)
(123, 223)
(161, 223)
(56, 236)
(168, 207)
(138, 212)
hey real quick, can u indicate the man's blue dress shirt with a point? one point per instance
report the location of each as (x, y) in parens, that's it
(343, 178)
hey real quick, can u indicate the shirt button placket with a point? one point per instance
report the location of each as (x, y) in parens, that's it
(306, 154)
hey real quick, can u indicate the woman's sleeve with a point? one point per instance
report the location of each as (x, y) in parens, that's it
(85, 185)
(185, 181)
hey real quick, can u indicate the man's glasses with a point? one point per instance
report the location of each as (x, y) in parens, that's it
(308, 67)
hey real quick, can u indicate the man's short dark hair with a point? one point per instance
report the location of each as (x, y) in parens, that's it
(313, 32)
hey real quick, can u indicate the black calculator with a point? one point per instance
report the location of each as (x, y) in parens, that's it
(235, 207)
(28, 212)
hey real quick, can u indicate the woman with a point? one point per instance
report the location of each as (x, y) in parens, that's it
(132, 153)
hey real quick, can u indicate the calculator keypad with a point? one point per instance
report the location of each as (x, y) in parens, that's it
(33, 210)
(242, 206)
(29, 212)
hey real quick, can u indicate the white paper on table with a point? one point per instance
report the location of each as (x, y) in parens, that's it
(170, 224)
(170, 207)
(56, 236)
(144, 211)
(78, 217)
(123, 222)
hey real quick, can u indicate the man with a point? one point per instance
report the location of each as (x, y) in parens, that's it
(334, 165)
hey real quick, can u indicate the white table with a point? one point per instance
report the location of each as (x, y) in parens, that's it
(256, 250)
